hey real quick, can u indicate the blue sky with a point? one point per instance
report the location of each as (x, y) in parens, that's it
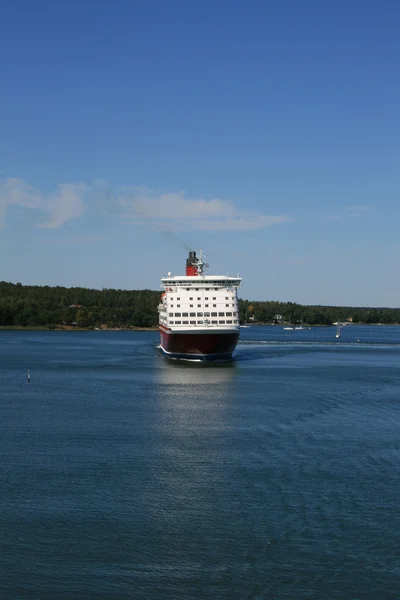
(266, 133)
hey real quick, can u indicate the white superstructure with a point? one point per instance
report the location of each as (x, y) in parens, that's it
(196, 301)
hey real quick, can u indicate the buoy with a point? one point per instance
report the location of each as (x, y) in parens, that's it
(29, 376)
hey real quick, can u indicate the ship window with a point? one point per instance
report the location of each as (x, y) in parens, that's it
(234, 314)
(214, 322)
(199, 314)
(185, 315)
(214, 306)
(188, 289)
(207, 289)
(220, 314)
(190, 305)
(200, 322)
(196, 289)
(190, 298)
(193, 322)
(177, 322)
(226, 298)
(192, 314)
(198, 298)
(199, 306)
(222, 322)
(228, 314)
(206, 305)
(179, 298)
(170, 314)
(229, 321)
(172, 306)
(214, 314)
(185, 322)
(206, 298)
(214, 298)
(178, 306)
(206, 314)
(177, 314)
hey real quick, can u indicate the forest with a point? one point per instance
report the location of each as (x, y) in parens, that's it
(58, 307)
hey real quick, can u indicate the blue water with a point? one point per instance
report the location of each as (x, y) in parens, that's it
(125, 475)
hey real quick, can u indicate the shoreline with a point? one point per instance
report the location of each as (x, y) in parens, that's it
(66, 328)
(70, 328)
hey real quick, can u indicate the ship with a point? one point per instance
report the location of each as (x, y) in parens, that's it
(198, 313)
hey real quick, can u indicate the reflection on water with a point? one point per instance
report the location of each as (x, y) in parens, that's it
(194, 428)
(194, 396)
(186, 373)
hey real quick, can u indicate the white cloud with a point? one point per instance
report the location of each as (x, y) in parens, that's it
(133, 205)
(333, 218)
(65, 204)
(358, 208)
(72, 240)
(142, 205)
(351, 212)
(58, 207)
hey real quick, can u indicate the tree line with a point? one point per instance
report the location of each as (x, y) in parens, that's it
(38, 306)
(290, 312)
(53, 307)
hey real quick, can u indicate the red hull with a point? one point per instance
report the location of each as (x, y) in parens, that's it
(198, 345)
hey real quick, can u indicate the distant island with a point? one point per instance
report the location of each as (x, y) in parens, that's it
(45, 307)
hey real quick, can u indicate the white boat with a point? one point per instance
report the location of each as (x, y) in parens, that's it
(289, 327)
(244, 324)
(338, 329)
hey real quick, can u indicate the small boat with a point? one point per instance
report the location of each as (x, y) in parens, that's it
(289, 327)
(338, 330)
(244, 324)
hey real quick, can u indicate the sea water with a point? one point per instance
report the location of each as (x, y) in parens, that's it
(126, 475)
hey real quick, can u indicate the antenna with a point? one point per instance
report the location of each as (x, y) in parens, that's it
(200, 264)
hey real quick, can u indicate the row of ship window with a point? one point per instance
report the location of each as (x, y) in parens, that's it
(227, 322)
(200, 314)
(220, 284)
(199, 305)
(205, 298)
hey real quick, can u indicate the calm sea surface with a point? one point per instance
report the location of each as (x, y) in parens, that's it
(124, 475)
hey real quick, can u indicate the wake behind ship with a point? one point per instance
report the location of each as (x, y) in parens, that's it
(199, 314)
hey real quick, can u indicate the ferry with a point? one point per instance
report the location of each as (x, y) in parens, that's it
(198, 313)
